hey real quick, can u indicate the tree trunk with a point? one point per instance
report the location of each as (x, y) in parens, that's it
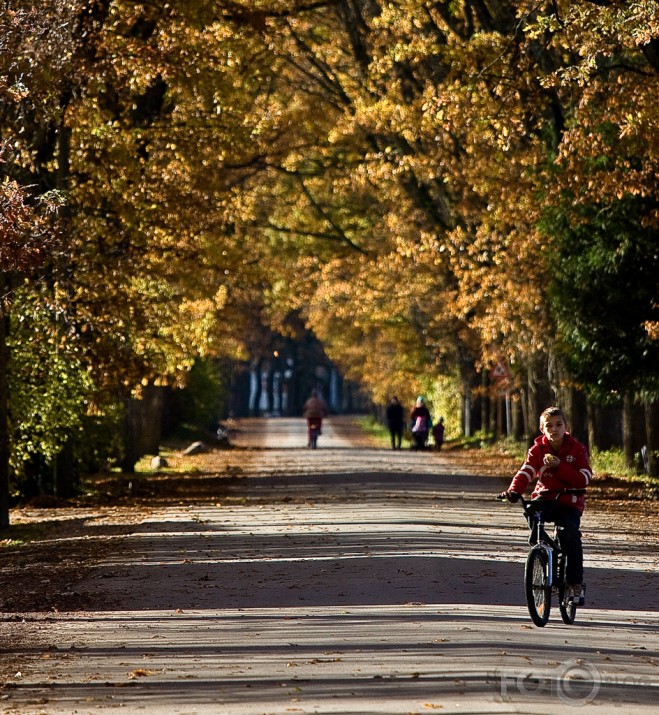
(492, 424)
(65, 480)
(485, 402)
(517, 417)
(4, 421)
(652, 434)
(540, 394)
(590, 427)
(467, 407)
(604, 427)
(575, 406)
(131, 437)
(628, 430)
(65, 477)
(255, 387)
(150, 410)
(524, 407)
(499, 403)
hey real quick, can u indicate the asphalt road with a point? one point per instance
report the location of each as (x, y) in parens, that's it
(344, 580)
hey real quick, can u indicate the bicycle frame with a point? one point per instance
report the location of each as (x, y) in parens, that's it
(313, 430)
(551, 545)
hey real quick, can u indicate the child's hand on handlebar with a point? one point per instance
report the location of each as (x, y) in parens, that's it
(512, 497)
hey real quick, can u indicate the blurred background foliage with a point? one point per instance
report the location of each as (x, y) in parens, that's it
(455, 198)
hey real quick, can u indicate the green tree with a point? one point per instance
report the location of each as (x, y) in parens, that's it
(38, 61)
(381, 169)
(604, 267)
(51, 387)
(28, 232)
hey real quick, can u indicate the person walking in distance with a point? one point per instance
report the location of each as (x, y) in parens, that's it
(438, 433)
(420, 423)
(395, 422)
(559, 462)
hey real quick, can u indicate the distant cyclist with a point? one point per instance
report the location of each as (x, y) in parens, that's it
(559, 462)
(314, 410)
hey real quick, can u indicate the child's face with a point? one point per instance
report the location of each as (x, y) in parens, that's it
(554, 430)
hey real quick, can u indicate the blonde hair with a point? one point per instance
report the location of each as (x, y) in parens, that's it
(551, 412)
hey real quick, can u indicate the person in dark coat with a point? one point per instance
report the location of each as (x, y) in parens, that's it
(395, 422)
(438, 433)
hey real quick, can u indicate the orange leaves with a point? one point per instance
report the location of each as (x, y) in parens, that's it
(652, 328)
(384, 174)
(27, 230)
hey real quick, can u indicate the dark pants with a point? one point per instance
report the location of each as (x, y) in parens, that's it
(569, 536)
(396, 432)
(314, 422)
(420, 438)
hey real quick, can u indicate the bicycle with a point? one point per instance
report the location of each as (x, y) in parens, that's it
(544, 572)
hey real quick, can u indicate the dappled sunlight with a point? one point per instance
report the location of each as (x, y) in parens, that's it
(300, 657)
(284, 579)
(330, 552)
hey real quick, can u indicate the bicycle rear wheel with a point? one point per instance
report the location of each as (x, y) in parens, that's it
(536, 585)
(568, 608)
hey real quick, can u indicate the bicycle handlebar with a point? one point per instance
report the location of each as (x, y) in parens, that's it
(502, 497)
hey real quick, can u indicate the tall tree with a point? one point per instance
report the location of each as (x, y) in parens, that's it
(27, 235)
(385, 170)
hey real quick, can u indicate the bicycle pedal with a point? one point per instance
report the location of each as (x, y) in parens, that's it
(576, 600)
(581, 601)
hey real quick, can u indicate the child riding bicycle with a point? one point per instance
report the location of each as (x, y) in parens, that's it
(559, 462)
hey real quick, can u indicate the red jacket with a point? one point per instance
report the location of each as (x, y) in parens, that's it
(573, 472)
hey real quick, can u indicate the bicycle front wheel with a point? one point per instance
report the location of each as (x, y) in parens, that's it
(536, 585)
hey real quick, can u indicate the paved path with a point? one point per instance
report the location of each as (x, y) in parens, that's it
(343, 580)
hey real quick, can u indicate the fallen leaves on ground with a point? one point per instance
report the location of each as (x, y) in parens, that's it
(52, 544)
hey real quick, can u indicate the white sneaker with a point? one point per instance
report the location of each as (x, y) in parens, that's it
(575, 592)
